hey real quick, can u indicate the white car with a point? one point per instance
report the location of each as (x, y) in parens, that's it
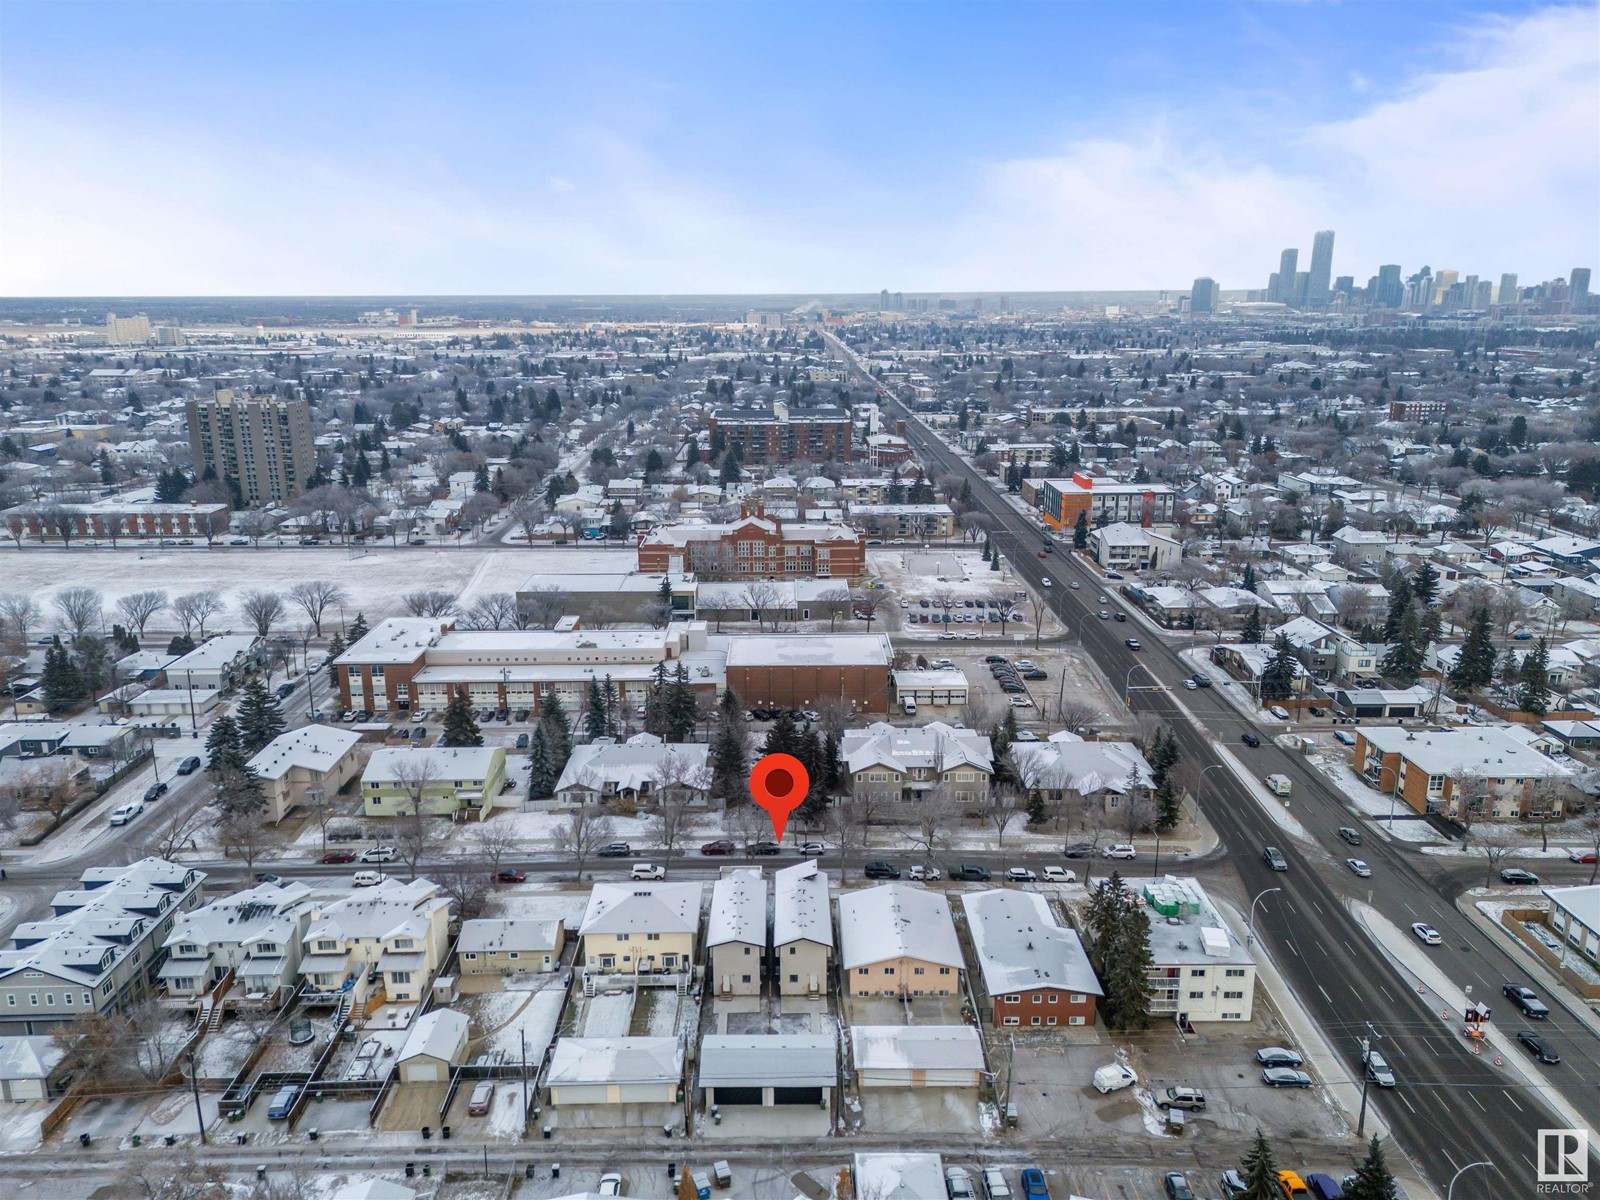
(1021, 702)
(378, 854)
(1120, 850)
(1279, 711)
(610, 1184)
(366, 879)
(1020, 875)
(1359, 867)
(124, 813)
(1060, 875)
(1047, 581)
(647, 871)
(923, 874)
(1427, 934)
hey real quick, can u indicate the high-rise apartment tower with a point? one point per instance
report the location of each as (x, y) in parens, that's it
(261, 442)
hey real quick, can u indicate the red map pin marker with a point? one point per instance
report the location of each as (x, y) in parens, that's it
(778, 783)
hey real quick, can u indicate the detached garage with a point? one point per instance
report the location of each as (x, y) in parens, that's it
(29, 1066)
(625, 1070)
(768, 1069)
(436, 1045)
(917, 1056)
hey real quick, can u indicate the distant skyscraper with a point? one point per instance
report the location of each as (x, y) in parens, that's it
(1442, 283)
(1389, 292)
(1579, 282)
(1204, 295)
(899, 302)
(1345, 284)
(123, 330)
(1274, 291)
(1419, 290)
(883, 300)
(1321, 267)
(1508, 289)
(1287, 262)
(1483, 298)
(1302, 288)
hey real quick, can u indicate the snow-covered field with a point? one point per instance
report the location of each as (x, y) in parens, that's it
(535, 1021)
(375, 578)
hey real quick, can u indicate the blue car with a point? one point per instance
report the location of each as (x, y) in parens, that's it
(1033, 1184)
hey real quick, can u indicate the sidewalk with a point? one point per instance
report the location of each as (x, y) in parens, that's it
(1475, 909)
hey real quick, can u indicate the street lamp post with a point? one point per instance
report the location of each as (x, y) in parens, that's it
(1200, 783)
(1451, 1190)
(1250, 937)
(194, 1084)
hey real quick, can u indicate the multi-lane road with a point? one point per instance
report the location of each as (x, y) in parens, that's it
(1451, 1107)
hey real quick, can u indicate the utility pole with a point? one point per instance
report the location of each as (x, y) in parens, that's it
(194, 1084)
(1366, 1046)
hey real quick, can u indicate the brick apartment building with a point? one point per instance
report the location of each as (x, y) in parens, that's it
(116, 518)
(784, 434)
(1484, 773)
(1035, 971)
(1417, 410)
(1104, 500)
(756, 546)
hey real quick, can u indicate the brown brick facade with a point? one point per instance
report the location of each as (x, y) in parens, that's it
(866, 688)
(1043, 1007)
(784, 435)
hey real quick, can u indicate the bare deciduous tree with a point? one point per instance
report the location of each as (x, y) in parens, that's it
(545, 604)
(429, 602)
(494, 610)
(931, 824)
(194, 609)
(835, 602)
(494, 841)
(1495, 842)
(586, 830)
(20, 612)
(762, 597)
(137, 608)
(262, 609)
(81, 610)
(315, 597)
(173, 829)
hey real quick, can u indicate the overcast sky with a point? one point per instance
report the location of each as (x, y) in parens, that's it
(256, 148)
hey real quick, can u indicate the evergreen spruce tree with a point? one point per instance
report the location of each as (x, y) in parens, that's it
(1474, 668)
(784, 736)
(1406, 654)
(655, 702)
(1080, 531)
(1250, 635)
(1278, 675)
(830, 765)
(553, 720)
(994, 563)
(460, 725)
(1425, 583)
(1168, 807)
(1510, 669)
(729, 766)
(1533, 694)
(1399, 602)
(1037, 813)
(1374, 1180)
(1249, 583)
(180, 645)
(335, 648)
(224, 745)
(61, 683)
(1127, 971)
(541, 767)
(358, 629)
(682, 708)
(260, 718)
(1260, 1171)
(594, 713)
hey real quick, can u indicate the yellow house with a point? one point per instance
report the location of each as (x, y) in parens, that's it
(509, 946)
(450, 781)
(313, 756)
(391, 937)
(898, 940)
(640, 928)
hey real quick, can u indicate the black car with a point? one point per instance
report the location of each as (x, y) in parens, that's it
(154, 792)
(1036, 673)
(881, 870)
(285, 690)
(189, 765)
(763, 848)
(1078, 850)
(1526, 1000)
(522, 741)
(616, 850)
(971, 872)
(1538, 1047)
(1250, 739)
(1132, 643)
(1116, 616)
(1517, 875)
(1177, 1185)
(991, 659)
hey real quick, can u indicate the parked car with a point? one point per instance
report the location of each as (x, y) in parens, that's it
(1353, 836)
(1426, 933)
(1033, 1185)
(1378, 1068)
(378, 854)
(124, 813)
(1250, 739)
(881, 870)
(1060, 875)
(1036, 673)
(995, 1186)
(1232, 1184)
(1517, 876)
(1344, 737)
(1285, 1077)
(813, 849)
(610, 1184)
(924, 874)
(189, 765)
(1526, 1000)
(268, 877)
(720, 846)
(1581, 856)
(1078, 850)
(1192, 1099)
(1176, 1184)
(1277, 1056)
(522, 741)
(366, 879)
(154, 792)
(1535, 1045)
(339, 856)
(283, 1102)
(511, 876)
(482, 1097)
(958, 1184)
(763, 849)
(1119, 850)
(1020, 875)
(1114, 575)
(615, 850)
(647, 872)
(1359, 868)
(1279, 711)
(971, 872)
(1201, 679)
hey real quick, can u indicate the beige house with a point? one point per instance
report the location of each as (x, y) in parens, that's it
(640, 928)
(736, 933)
(802, 930)
(313, 756)
(489, 946)
(382, 943)
(904, 764)
(898, 940)
(452, 781)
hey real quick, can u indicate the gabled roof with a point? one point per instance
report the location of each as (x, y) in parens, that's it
(29, 1057)
(311, 747)
(642, 908)
(391, 909)
(615, 1060)
(800, 906)
(1068, 763)
(1021, 947)
(768, 1060)
(896, 921)
(448, 763)
(627, 766)
(439, 1033)
(738, 910)
(489, 935)
(266, 911)
(935, 745)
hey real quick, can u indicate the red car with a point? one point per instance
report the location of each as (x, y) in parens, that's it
(717, 848)
(512, 877)
(1581, 856)
(339, 856)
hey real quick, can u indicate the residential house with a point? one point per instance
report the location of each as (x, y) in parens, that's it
(1124, 547)
(254, 935)
(640, 929)
(644, 769)
(216, 664)
(1035, 971)
(917, 1056)
(1477, 773)
(1066, 768)
(1327, 653)
(320, 758)
(906, 763)
(620, 1070)
(736, 933)
(1575, 920)
(1359, 547)
(514, 946)
(381, 943)
(768, 1069)
(435, 1047)
(802, 930)
(100, 947)
(441, 781)
(898, 940)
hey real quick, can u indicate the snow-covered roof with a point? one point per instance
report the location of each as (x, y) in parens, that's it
(449, 763)
(1582, 903)
(899, 1176)
(1483, 750)
(490, 935)
(642, 759)
(768, 1060)
(800, 906)
(615, 1060)
(1067, 763)
(29, 1057)
(935, 745)
(438, 1033)
(266, 911)
(738, 909)
(311, 747)
(372, 1189)
(1021, 947)
(397, 640)
(390, 909)
(896, 921)
(803, 650)
(213, 654)
(916, 1047)
(642, 908)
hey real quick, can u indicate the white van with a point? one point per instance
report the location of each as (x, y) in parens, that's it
(1111, 1078)
(124, 813)
(366, 879)
(908, 706)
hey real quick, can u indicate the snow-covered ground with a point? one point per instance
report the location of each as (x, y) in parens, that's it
(1376, 806)
(532, 1025)
(608, 1014)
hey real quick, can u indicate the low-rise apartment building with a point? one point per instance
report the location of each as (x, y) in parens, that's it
(315, 757)
(1035, 971)
(905, 764)
(898, 940)
(441, 781)
(516, 946)
(1060, 501)
(1199, 971)
(383, 943)
(1124, 547)
(784, 434)
(1471, 774)
(117, 517)
(917, 522)
(758, 545)
(214, 665)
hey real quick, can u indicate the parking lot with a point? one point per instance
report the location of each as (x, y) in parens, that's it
(1069, 683)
